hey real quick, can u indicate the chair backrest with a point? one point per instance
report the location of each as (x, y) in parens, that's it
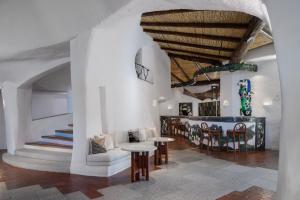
(240, 128)
(204, 126)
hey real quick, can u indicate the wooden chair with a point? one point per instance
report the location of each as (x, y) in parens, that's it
(174, 126)
(205, 134)
(238, 130)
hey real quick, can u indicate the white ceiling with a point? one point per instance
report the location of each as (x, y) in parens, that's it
(31, 24)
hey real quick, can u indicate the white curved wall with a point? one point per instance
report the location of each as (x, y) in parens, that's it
(285, 23)
(31, 24)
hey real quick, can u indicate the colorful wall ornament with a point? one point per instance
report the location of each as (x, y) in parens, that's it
(245, 95)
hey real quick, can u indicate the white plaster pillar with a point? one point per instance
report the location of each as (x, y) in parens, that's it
(17, 112)
(79, 51)
(284, 17)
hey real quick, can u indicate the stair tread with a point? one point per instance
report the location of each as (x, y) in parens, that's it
(55, 137)
(37, 161)
(49, 144)
(38, 151)
(69, 131)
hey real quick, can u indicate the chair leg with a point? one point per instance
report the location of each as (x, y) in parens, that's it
(227, 140)
(239, 142)
(234, 145)
(207, 148)
(219, 142)
(245, 138)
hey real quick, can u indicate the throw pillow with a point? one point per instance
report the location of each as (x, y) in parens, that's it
(97, 145)
(109, 142)
(142, 135)
(133, 136)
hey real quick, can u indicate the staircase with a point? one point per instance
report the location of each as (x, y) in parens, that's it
(61, 141)
(52, 153)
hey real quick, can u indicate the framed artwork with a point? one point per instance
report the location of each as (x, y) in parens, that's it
(209, 108)
(186, 109)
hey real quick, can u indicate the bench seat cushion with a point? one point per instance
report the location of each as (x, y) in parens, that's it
(111, 157)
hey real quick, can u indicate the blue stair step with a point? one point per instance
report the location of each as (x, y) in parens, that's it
(67, 133)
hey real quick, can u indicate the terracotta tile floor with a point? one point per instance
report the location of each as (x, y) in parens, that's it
(253, 193)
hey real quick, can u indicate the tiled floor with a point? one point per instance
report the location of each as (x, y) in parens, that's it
(189, 175)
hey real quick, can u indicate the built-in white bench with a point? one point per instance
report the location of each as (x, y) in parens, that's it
(115, 160)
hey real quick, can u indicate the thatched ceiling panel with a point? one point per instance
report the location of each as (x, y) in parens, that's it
(192, 40)
(208, 31)
(206, 51)
(260, 40)
(205, 16)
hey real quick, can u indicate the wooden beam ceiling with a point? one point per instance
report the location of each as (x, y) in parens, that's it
(181, 69)
(177, 78)
(194, 45)
(255, 26)
(203, 36)
(164, 12)
(195, 58)
(195, 35)
(196, 53)
(196, 25)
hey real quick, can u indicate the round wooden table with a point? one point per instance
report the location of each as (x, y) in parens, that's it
(139, 159)
(162, 149)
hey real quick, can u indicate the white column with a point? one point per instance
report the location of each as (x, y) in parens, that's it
(17, 112)
(79, 51)
(285, 17)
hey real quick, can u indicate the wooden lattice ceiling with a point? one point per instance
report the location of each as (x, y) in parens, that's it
(195, 39)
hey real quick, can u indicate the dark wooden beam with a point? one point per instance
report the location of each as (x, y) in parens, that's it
(255, 26)
(181, 69)
(196, 25)
(165, 12)
(194, 45)
(198, 83)
(177, 78)
(195, 58)
(196, 53)
(195, 35)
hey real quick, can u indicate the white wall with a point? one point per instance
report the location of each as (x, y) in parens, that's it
(285, 23)
(2, 125)
(46, 104)
(128, 100)
(171, 106)
(48, 126)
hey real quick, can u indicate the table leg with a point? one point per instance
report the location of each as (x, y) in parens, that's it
(143, 165)
(139, 157)
(147, 165)
(132, 166)
(159, 152)
(166, 153)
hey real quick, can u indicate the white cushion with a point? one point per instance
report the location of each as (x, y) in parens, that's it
(108, 158)
(109, 142)
(143, 135)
